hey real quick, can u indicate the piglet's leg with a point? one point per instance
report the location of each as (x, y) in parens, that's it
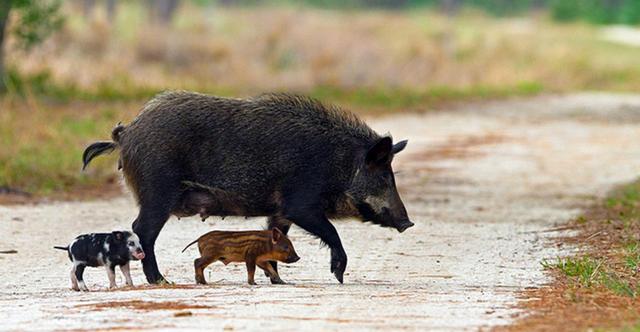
(79, 271)
(74, 280)
(271, 272)
(200, 264)
(126, 272)
(251, 270)
(111, 273)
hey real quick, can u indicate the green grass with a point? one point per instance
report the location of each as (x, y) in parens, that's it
(42, 85)
(402, 98)
(616, 268)
(589, 272)
(121, 89)
(633, 328)
(43, 145)
(632, 256)
(584, 269)
(628, 199)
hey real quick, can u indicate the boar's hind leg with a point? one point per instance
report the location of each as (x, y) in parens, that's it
(270, 272)
(283, 225)
(314, 221)
(155, 208)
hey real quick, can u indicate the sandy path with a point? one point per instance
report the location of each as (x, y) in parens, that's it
(482, 184)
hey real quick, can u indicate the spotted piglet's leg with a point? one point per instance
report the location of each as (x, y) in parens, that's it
(79, 270)
(126, 272)
(74, 280)
(111, 273)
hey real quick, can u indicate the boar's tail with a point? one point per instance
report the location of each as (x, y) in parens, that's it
(189, 245)
(61, 248)
(99, 148)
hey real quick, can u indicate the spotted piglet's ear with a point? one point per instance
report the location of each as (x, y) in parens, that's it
(118, 236)
(276, 234)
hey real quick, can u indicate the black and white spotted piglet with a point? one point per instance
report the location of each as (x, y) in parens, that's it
(103, 249)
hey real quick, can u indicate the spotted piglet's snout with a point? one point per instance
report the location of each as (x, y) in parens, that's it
(135, 248)
(138, 254)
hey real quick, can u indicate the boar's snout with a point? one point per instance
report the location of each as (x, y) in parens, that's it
(402, 225)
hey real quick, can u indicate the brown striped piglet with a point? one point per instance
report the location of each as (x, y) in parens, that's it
(252, 247)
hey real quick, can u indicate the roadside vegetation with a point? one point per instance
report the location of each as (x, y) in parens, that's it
(93, 72)
(598, 287)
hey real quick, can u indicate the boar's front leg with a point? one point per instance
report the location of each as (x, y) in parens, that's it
(270, 272)
(313, 220)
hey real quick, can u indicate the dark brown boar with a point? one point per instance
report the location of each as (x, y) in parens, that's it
(252, 247)
(290, 158)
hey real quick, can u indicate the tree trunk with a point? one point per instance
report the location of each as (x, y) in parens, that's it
(166, 9)
(111, 11)
(450, 8)
(162, 11)
(5, 6)
(87, 8)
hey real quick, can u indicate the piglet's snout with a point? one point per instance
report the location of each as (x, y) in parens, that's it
(292, 259)
(138, 254)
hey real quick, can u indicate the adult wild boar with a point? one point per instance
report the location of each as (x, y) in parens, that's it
(287, 157)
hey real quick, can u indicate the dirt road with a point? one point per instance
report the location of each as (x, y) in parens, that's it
(484, 185)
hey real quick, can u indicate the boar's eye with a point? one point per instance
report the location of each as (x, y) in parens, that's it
(131, 244)
(285, 247)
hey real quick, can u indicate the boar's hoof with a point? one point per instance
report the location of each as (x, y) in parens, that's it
(158, 280)
(277, 281)
(338, 265)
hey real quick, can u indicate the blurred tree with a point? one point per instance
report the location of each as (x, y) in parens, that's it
(87, 8)
(162, 11)
(5, 6)
(630, 12)
(391, 4)
(89, 5)
(37, 19)
(450, 7)
(111, 10)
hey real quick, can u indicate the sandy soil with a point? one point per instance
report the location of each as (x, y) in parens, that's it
(486, 186)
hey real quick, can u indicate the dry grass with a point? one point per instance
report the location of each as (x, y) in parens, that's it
(251, 50)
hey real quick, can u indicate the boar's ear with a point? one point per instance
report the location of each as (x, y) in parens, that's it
(399, 146)
(118, 236)
(380, 153)
(276, 234)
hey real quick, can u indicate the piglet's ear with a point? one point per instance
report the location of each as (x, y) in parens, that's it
(118, 236)
(276, 234)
